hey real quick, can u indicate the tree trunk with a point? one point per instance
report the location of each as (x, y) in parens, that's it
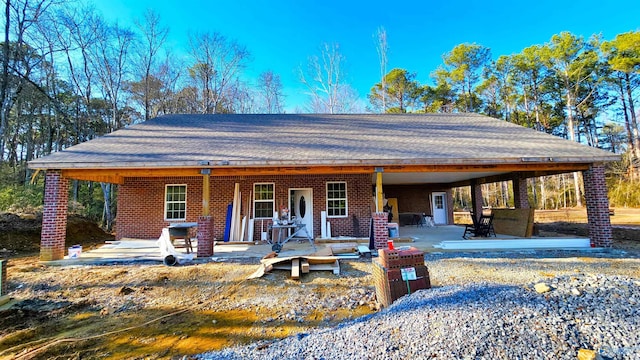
(106, 209)
(634, 130)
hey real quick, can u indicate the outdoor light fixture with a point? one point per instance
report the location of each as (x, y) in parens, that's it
(223, 162)
(203, 162)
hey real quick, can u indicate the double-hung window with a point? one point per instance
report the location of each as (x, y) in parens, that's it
(263, 200)
(175, 202)
(337, 199)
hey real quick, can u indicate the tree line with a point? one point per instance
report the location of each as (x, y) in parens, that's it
(68, 76)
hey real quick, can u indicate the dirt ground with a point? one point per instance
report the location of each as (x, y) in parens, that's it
(152, 311)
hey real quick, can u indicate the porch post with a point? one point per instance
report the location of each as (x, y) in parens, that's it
(520, 193)
(54, 216)
(379, 192)
(476, 198)
(595, 190)
(380, 231)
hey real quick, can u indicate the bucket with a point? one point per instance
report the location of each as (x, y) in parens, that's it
(75, 251)
(393, 230)
(390, 244)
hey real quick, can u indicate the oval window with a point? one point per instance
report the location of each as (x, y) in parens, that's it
(303, 206)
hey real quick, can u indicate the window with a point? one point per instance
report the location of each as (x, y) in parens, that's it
(175, 202)
(337, 199)
(263, 201)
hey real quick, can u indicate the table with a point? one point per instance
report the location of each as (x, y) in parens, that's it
(181, 230)
(283, 239)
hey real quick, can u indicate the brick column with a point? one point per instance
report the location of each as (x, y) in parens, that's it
(476, 199)
(520, 193)
(597, 201)
(205, 236)
(380, 231)
(54, 216)
(3, 277)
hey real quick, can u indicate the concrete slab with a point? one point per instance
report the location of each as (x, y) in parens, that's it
(423, 238)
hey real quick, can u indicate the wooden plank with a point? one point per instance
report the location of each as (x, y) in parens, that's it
(516, 222)
(232, 232)
(344, 248)
(304, 266)
(117, 175)
(295, 269)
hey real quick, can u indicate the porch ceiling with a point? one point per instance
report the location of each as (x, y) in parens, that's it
(433, 177)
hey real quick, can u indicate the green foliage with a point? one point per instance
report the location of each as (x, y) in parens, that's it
(21, 199)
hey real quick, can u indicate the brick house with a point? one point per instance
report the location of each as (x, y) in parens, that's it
(179, 168)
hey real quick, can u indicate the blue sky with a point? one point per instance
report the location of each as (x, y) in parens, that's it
(281, 35)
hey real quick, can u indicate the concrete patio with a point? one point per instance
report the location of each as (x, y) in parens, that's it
(426, 239)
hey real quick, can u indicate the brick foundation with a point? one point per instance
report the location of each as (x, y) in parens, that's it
(54, 216)
(597, 201)
(3, 277)
(520, 193)
(205, 236)
(380, 231)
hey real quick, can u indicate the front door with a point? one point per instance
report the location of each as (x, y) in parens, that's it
(301, 206)
(439, 207)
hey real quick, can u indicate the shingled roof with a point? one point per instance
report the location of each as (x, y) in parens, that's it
(275, 140)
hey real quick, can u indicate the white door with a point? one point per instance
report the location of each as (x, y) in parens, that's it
(439, 207)
(301, 202)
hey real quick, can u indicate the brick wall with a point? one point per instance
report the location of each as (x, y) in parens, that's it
(597, 201)
(141, 205)
(141, 202)
(54, 216)
(413, 198)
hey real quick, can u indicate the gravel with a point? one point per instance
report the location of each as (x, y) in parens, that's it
(481, 320)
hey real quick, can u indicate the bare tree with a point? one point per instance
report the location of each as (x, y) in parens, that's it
(18, 57)
(328, 90)
(382, 48)
(218, 62)
(153, 38)
(270, 93)
(111, 61)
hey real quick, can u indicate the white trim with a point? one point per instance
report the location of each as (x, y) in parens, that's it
(273, 201)
(165, 202)
(310, 228)
(346, 200)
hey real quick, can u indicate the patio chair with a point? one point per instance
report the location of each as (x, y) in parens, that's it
(472, 228)
(485, 226)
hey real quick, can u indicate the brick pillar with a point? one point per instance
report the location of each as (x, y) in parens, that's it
(476, 199)
(205, 236)
(380, 231)
(597, 201)
(520, 193)
(3, 277)
(54, 216)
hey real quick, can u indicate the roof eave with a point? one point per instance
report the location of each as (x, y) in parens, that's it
(35, 164)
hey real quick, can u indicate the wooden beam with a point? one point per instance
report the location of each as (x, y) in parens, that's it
(304, 266)
(117, 175)
(379, 193)
(205, 194)
(295, 268)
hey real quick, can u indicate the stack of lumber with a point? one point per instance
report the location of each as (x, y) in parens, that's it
(298, 265)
